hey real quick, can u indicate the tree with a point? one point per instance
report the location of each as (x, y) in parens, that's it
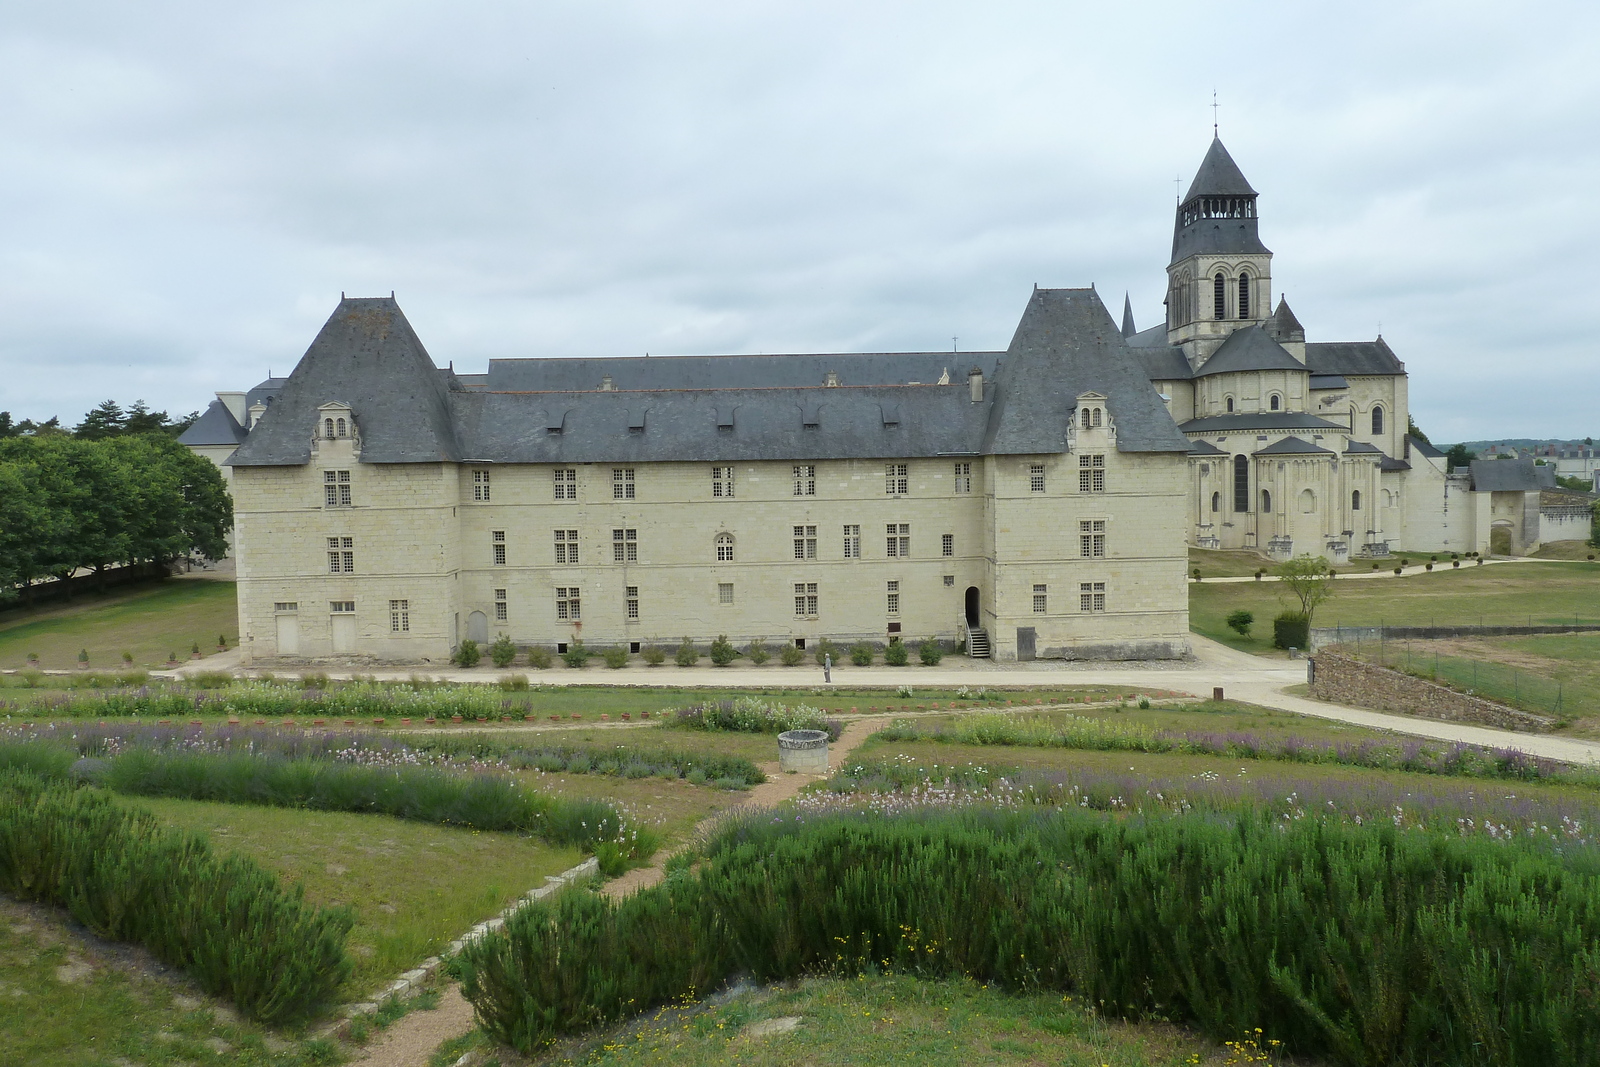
(106, 420)
(1458, 456)
(1411, 430)
(1308, 579)
(7, 427)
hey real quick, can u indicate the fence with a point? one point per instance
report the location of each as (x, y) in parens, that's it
(1498, 682)
(1515, 626)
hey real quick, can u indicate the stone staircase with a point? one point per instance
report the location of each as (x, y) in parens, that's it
(978, 644)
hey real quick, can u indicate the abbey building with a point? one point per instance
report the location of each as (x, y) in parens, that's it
(1031, 502)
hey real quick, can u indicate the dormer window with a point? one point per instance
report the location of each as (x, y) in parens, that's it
(343, 432)
(327, 428)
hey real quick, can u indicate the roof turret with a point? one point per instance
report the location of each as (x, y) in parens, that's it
(1218, 213)
(1218, 175)
(1283, 326)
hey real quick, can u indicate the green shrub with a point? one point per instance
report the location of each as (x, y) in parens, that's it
(539, 658)
(514, 683)
(31, 678)
(791, 656)
(223, 920)
(930, 652)
(654, 656)
(211, 680)
(576, 656)
(751, 714)
(314, 680)
(896, 655)
(861, 654)
(757, 652)
(687, 655)
(467, 654)
(616, 657)
(1240, 622)
(1291, 630)
(826, 650)
(722, 651)
(502, 653)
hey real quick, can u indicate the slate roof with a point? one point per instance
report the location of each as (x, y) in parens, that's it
(1329, 381)
(1163, 364)
(1128, 328)
(1361, 447)
(1292, 446)
(1389, 463)
(368, 356)
(1353, 357)
(1505, 475)
(216, 427)
(1248, 349)
(1218, 175)
(581, 374)
(1283, 325)
(1263, 420)
(1425, 448)
(1204, 448)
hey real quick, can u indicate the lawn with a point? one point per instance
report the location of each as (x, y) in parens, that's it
(1506, 594)
(1228, 563)
(67, 1001)
(672, 807)
(1566, 550)
(415, 886)
(150, 622)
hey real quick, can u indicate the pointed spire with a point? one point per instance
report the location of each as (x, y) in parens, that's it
(1128, 329)
(1218, 175)
(1283, 326)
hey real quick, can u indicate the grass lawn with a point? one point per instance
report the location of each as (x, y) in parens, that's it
(672, 807)
(1566, 550)
(1507, 594)
(1228, 563)
(150, 622)
(415, 886)
(885, 1021)
(68, 1001)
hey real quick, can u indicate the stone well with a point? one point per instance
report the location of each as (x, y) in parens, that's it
(803, 751)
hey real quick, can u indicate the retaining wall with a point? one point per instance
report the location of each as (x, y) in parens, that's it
(1339, 678)
(1322, 636)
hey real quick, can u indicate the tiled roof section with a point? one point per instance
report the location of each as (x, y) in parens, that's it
(1154, 337)
(1353, 357)
(1292, 446)
(1218, 175)
(1361, 447)
(1263, 420)
(1329, 381)
(1204, 448)
(1249, 349)
(1504, 475)
(264, 393)
(1389, 463)
(578, 374)
(1067, 344)
(368, 356)
(216, 427)
(1425, 448)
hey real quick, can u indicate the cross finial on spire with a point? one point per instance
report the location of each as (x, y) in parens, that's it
(1214, 106)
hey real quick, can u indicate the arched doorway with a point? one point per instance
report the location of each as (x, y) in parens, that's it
(478, 627)
(1500, 539)
(972, 605)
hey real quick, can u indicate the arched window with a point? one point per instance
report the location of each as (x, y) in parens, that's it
(1085, 418)
(1266, 501)
(327, 428)
(1355, 500)
(1244, 296)
(1097, 416)
(724, 548)
(1388, 499)
(1308, 502)
(341, 427)
(1241, 483)
(1229, 403)
(1216, 501)
(1276, 402)
(1219, 297)
(1377, 418)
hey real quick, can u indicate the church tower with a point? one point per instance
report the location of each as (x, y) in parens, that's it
(1220, 277)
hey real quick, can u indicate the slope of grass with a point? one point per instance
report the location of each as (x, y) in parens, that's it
(149, 622)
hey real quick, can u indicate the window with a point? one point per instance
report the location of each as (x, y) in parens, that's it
(566, 548)
(1266, 502)
(1036, 477)
(963, 477)
(625, 546)
(949, 581)
(722, 482)
(805, 598)
(400, 616)
(286, 605)
(336, 489)
(1244, 296)
(893, 598)
(1095, 419)
(724, 592)
(342, 607)
(805, 542)
(1355, 500)
(1041, 599)
(1241, 483)
(894, 479)
(1092, 538)
(1216, 502)
(480, 485)
(567, 602)
(631, 600)
(501, 610)
(1228, 404)
(1219, 297)
(341, 555)
(327, 428)
(566, 484)
(340, 424)
(1308, 502)
(899, 538)
(1092, 596)
(497, 540)
(622, 483)
(724, 545)
(1275, 402)
(947, 545)
(805, 479)
(1091, 474)
(1377, 418)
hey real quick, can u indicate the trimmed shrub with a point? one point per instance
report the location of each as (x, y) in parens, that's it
(722, 651)
(753, 714)
(514, 683)
(467, 654)
(1240, 622)
(687, 655)
(653, 656)
(896, 654)
(616, 657)
(826, 650)
(539, 658)
(576, 656)
(930, 652)
(1291, 630)
(502, 652)
(792, 656)
(861, 654)
(757, 652)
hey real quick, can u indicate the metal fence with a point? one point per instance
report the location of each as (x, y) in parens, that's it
(1499, 682)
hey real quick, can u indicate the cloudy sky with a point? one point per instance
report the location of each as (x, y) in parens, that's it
(185, 189)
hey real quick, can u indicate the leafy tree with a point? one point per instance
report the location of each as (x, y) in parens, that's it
(1459, 456)
(7, 427)
(1308, 579)
(107, 419)
(1411, 430)
(47, 428)
(1240, 622)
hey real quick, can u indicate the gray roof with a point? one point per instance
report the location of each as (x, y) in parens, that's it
(216, 427)
(1128, 329)
(1204, 448)
(1329, 381)
(1261, 420)
(1067, 344)
(1361, 446)
(1283, 325)
(1546, 475)
(1154, 337)
(1389, 463)
(1249, 349)
(1353, 357)
(1425, 448)
(1505, 475)
(1218, 175)
(582, 374)
(1292, 446)
(1164, 364)
(367, 356)
(264, 393)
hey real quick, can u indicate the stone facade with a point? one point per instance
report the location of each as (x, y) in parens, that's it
(1342, 680)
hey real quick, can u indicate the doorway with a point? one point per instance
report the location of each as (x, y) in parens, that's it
(344, 633)
(1026, 636)
(972, 606)
(478, 627)
(288, 635)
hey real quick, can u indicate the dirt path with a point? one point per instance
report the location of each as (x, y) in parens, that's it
(414, 1037)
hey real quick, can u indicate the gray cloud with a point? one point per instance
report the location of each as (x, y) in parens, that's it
(188, 188)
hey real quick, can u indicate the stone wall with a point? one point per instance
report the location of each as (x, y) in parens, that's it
(1343, 680)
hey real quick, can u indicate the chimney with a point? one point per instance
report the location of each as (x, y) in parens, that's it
(975, 384)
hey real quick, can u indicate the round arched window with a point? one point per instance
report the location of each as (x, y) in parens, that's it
(1377, 418)
(724, 548)
(1276, 402)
